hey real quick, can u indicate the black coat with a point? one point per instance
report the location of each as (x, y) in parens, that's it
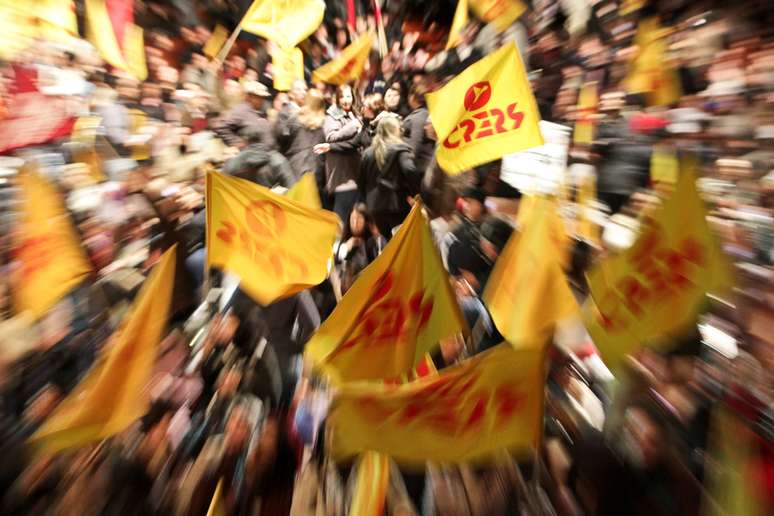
(385, 190)
(414, 133)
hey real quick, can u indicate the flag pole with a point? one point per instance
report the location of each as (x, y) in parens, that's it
(232, 39)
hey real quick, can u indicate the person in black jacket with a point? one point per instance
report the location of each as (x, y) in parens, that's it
(388, 177)
(414, 129)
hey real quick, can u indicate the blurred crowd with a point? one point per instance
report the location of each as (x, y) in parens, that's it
(231, 397)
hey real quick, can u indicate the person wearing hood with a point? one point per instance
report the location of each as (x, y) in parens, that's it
(343, 139)
(388, 176)
(259, 164)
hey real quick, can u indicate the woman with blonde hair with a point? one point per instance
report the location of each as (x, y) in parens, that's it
(388, 176)
(305, 130)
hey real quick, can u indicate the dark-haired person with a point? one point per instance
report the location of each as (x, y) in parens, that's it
(414, 129)
(343, 140)
(360, 244)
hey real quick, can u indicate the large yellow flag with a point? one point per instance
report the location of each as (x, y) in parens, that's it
(287, 66)
(485, 112)
(120, 42)
(470, 411)
(733, 488)
(114, 393)
(348, 66)
(22, 22)
(51, 260)
(400, 307)
(459, 22)
(305, 192)
(286, 22)
(277, 246)
(664, 165)
(527, 293)
(500, 13)
(648, 72)
(653, 291)
(373, 480)
(584, 118)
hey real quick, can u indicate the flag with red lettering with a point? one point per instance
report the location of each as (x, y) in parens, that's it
(652, 292)
(470, 411)
(400, 307)
(277, 246)
(485, 112)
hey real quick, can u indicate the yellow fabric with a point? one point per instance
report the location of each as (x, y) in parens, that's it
(277, 246)
(215, 41)
(648, 73)
(348, 66)
(114, 392)
(305, 192)
(459, 22)
(400, 307)
(587, 106)
(373, 479)
(216, 505)
(652, 292)
(485, 112)
(664, 165)
(500, 13)
(529, 206)
(47, 248)
(287, 66)
(731, 487)
(587, 193)
(285, 22)
(21, 22)
(99, 30)
(467, 412)
(527, 293)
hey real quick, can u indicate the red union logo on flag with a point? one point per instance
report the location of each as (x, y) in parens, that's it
(483, 123)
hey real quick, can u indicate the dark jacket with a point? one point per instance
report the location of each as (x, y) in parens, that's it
(301, 141)
(342, 163)
(242, 117)
(624, 159)
(385, 190)
(262, 166)
(414, 134)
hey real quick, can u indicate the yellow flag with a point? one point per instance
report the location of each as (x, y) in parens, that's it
(47, 248)
(587, 107)
(216, 505)
(732, 484)
(348, 66)
(287, 23)
(470, 411)
(459, 22)
(287, 66)
(373, 479)
(535, 206)
(215, 41)
(277, 246)
(127, 55)
(653, 291)
(664, 165)
(500, 13)
(587, 193)
(648, 72)
(114, 393)
(305, 192)
(21, 22)
(400, 307)
(485, 112)
(527, 293)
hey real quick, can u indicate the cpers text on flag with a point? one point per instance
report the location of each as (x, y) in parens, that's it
(485, 112)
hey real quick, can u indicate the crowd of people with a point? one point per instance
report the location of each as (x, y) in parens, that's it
(231, 399)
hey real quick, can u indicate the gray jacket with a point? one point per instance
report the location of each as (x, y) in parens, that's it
(301, 141)
(345, 135)
(242, 117)
(260, 165)
(414, 134)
